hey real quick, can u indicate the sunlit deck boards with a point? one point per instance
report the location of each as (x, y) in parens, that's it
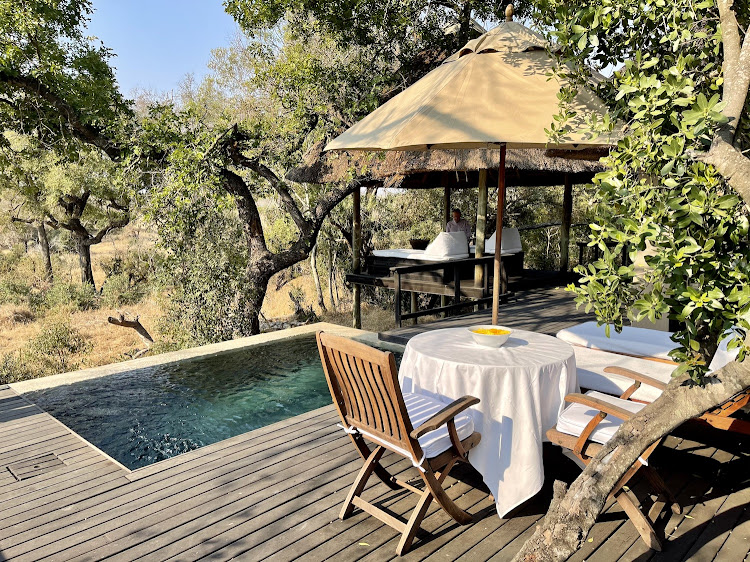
(546, 310)
(275, 494)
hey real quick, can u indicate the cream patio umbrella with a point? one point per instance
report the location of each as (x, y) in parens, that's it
(499, 91)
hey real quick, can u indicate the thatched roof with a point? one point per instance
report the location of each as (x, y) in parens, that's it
(445, 168)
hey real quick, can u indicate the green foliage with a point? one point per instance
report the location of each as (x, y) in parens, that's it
(68, 295)
(119, 291)
(656, 196)
(43, 46)
(400, 30)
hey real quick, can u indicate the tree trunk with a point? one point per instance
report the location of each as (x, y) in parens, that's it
(84, 262)
(316, 277)
(573, 512)
(44, 244)
(331, 280)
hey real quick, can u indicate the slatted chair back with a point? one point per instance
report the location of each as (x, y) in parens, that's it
(364, 384)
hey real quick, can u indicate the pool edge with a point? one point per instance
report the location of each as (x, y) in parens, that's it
(52, 381)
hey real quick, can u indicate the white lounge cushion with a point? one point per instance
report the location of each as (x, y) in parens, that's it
(576, 417)
(448, 244)
(723, 356)
(417, 255)
(420, 408)
(590, 365)
(511, 243)
(641, 342)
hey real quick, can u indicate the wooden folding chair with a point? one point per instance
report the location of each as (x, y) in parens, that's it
(588, 423)
(721, 417)
(364, 385)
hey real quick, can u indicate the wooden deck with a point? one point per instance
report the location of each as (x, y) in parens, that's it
(544, 310)
(275, 494)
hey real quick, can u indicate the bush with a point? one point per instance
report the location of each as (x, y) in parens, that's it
(137, 267)
(14, 292)
(13, 368)
(55, 345)
(118, 291)
(51, 352)
(77, 296)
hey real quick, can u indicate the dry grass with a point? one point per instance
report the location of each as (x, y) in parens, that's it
(109, 343)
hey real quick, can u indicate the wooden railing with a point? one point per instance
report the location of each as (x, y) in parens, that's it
(458, 265)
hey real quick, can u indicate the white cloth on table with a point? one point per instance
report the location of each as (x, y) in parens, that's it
(421, 408)
(522, 387)
(420, 255)
(590, 365)
(640, 342)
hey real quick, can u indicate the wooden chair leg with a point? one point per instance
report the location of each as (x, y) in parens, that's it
(361, 481)
(412, 526)
(629, 504)
(662, 489)
(365, 452)
(435, 485)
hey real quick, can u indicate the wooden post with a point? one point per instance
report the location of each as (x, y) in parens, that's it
(498, 283)
(567, 216)
(413, 305)
(481, 226)
(356, 257)
(447, 215)
(397, 297)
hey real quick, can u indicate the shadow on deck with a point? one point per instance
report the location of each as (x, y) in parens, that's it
(275, 494)
(545, 310)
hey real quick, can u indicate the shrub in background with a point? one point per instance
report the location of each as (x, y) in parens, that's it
(52, 351)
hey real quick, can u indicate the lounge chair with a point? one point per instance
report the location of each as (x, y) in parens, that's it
(433, 435)
(654, 345)
(589, 422)
(635, 379)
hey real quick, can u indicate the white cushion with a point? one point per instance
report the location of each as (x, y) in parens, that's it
(419, 255)
(723, 355)
(641, 342)
(576, 417)
(420, 408)
(448, 244)
(590, 365)
(511, 243)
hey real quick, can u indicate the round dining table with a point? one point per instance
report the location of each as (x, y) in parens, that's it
(521, 387)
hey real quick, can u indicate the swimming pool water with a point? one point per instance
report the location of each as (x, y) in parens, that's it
(147, 415)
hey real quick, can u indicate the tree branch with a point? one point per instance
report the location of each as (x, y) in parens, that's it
(88, 133)
(117, 223)
(234, 151)
(735, 69)
(138, 327)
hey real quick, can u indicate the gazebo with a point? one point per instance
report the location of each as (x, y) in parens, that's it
(450, 169)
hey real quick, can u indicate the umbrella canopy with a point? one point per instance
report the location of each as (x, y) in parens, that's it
(498, 89)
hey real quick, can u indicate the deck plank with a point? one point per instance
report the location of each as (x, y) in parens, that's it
(275, 493)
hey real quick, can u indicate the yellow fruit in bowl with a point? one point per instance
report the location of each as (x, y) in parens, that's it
(491, 331)
(490, 336)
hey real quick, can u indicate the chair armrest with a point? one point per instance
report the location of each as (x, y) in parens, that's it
(444, 416)
(600, 405)
(638, 377)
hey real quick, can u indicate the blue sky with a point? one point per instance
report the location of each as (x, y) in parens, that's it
(157, 42)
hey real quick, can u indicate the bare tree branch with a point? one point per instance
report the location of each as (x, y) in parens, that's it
(135, 324)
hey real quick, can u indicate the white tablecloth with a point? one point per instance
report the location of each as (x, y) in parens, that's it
(521, 386)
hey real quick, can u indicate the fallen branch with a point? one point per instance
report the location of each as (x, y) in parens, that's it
(124, 322)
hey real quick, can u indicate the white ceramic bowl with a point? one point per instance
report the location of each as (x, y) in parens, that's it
(489, 340)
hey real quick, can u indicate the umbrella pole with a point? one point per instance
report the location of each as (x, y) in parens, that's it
(498, 283)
